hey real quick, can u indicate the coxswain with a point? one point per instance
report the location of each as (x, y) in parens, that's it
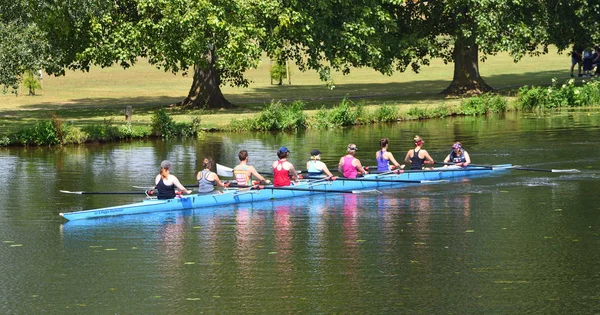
(458, 155)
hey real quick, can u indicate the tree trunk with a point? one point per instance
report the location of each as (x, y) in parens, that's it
(205, 91)
(466, 69)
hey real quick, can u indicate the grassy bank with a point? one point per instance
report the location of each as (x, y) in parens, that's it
(85, 99)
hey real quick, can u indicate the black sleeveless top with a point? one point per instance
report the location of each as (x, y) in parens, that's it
(165, 191)
(415, 162)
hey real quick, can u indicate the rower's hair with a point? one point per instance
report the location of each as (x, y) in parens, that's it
(207, 163)
(243, 155)
(383, 142)
(282, 155)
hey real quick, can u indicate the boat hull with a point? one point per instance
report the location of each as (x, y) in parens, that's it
(267, 193)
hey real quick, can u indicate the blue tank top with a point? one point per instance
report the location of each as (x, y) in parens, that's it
(416, 163)
(205, 185)
(165, 191)
(383, 165)
(457, 158)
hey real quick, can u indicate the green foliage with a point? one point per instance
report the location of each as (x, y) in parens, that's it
(103, 133)
(565, 95)
(417, 112)
(74, 135)
(277, 116)
(440, 111)
(386, 113)
(532, 97)
(42, 133)
(23, 46)
(483, 104)
(343, 114)
(163, 124)
(278, 71)
(31, 82)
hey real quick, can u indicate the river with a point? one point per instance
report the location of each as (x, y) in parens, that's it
(518, 242)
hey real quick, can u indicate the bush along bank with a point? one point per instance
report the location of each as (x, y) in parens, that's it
(290, 117)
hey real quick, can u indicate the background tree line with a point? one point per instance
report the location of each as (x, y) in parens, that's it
(217, 41)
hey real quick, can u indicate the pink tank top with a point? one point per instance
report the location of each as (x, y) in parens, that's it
(348, 169)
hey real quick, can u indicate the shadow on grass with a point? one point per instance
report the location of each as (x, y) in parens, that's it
(315, 96)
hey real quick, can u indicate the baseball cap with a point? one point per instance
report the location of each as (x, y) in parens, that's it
(283, 150)
(165, 164)
(315, 152)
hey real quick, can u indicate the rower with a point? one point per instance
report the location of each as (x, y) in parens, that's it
(384, 157)
(282, 169)
(207, 179)
(243, 172)
(350, 166)
(417, 156)
(458, 155)
(165, 183)
(315, 167)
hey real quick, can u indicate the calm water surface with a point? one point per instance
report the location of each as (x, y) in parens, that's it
(513, 243)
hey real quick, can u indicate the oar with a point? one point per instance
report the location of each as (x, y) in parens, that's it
(473, 165)
(379, 180)
(103, 192)
(292, 188)
(546, 170)
(519, 168)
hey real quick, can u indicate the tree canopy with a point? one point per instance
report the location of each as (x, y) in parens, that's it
(217, 41)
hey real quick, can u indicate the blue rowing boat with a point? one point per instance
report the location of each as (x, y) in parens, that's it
(305, 188)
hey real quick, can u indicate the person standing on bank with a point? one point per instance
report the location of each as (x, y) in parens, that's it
(458, 155)
(350, 166)
(417, 156)
(314, 167)
(207, 179)
(383, 157)
(165, 183)
(282, 169)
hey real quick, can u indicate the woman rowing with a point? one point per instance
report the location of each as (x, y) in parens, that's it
(207, 179)
(384, 157)
(417, 156)
(350, 166)
(458, 155)
(282, 169)
(165, 183)
(243, 172)
(315, 167)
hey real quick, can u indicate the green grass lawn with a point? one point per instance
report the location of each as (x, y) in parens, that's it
(91, 97)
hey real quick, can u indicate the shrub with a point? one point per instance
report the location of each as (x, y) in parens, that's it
(440, 111)
(343, 114)
(277, 116)
(483, 104)
(162, 124)
(386, 113)
(417, 112)
(42, 133)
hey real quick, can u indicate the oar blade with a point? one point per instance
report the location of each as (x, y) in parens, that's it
(567, 171)
(71, 192)
(367, 192)
(225, 171)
